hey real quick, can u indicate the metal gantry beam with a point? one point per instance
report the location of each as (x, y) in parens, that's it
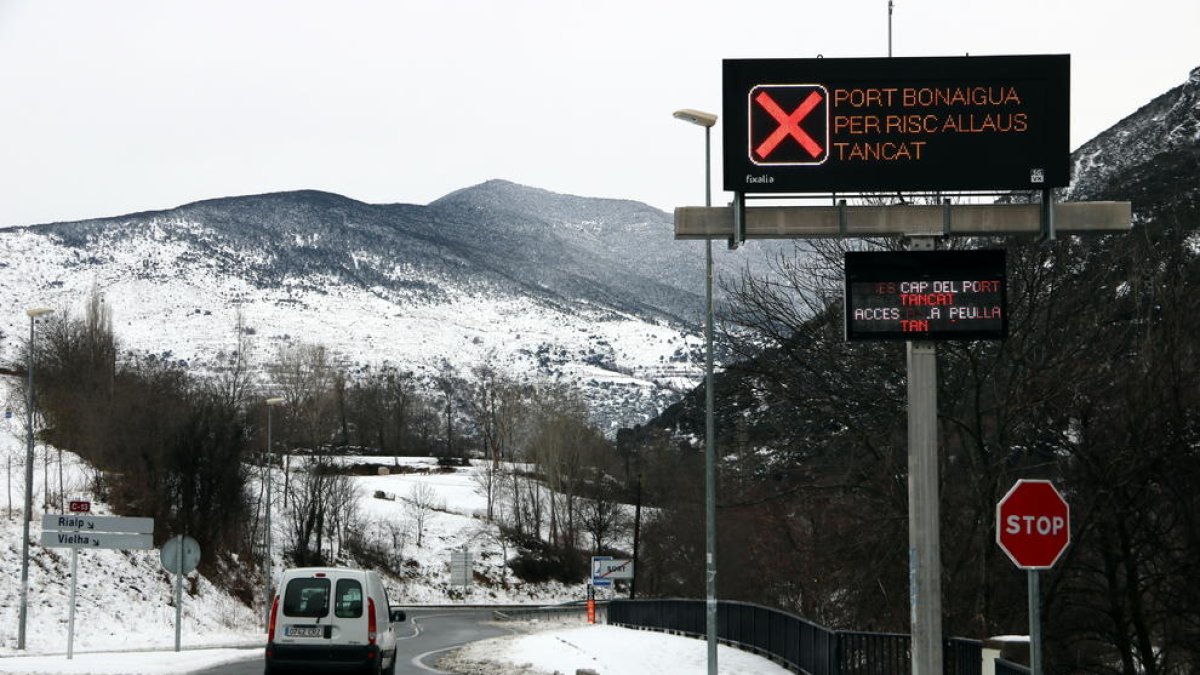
(816, 222)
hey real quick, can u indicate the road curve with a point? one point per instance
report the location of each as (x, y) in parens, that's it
(421, 640)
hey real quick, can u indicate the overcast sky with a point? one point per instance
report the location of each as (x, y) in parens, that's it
(120, 106)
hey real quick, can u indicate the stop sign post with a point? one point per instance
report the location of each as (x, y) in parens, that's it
(1033, 527)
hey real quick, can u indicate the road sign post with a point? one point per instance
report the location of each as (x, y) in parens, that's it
(179, 555)
(71, 611)
(79, 530)
(1033, 527)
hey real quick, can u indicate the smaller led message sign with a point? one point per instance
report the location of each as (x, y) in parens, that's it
(928, 123)
(926, 295)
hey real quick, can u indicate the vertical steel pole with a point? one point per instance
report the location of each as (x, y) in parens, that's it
(710, 452)
(923, 521)
(178, 589)
(267, 559)
(1035, 624)
(924, 525)
(889, 28)
(637, 530)
(28, 513)
(71, 614)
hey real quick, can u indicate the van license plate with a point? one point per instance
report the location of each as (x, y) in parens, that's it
(304, 631)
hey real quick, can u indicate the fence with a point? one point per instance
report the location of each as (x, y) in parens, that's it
(1009, 668)
(796, 643)
(567, 613)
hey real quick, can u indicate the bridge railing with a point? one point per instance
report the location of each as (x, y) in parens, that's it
(796, 643)
(565, 613)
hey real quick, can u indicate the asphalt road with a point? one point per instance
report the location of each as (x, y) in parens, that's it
(420, 641)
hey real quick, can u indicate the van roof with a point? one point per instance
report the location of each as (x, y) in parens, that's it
(309, 571)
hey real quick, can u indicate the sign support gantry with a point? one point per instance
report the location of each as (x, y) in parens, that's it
(843, 221)
(931, 125)
(922, 225)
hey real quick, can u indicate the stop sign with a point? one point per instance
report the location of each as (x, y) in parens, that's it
(1033, 524)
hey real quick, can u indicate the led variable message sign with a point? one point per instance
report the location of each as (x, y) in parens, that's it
(933, 123)
(925, 295)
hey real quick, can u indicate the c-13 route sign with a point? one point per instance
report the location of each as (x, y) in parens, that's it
(936, 123)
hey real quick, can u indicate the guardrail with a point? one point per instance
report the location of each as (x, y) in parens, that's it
(571, 612)
(1009, 668)
(795, 643)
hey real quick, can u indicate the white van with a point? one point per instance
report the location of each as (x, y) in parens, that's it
(331, 619)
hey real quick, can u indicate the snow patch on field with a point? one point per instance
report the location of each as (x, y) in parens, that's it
(604, 649)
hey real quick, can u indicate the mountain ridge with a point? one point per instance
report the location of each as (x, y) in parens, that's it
(493, 272)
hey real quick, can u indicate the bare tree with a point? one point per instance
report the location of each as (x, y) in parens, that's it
(421, 502)
(498, 408)
(604, 518)
(316, 494)
(233, 379)
(304, 376)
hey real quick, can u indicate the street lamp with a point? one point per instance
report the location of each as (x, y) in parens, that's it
(267, 557)
(707, 120)
(33, 313)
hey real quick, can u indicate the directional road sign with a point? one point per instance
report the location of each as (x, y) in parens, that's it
(79, 539)
(89, 523)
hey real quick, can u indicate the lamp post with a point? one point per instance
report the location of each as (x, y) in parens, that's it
(707, 120)
(33, 313)
(267, 557)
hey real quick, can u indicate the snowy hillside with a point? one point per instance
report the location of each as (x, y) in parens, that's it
(125, 599)
(594, 292)
(1169, 123)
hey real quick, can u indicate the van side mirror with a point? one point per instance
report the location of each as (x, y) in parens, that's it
(398, 615)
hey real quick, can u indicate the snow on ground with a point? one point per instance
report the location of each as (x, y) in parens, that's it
(539, 649)
(456, 522)
(124, 599)
(604, 649)
(125, 663)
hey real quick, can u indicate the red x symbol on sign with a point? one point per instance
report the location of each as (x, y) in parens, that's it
(789, 125)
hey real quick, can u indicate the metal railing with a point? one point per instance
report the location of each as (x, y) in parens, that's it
(796, 643)
(1009, 668)
(563, 613)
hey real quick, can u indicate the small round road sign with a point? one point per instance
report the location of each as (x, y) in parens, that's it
(1033, 524)
(180, 554)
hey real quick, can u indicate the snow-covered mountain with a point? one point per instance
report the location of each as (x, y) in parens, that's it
(1153, 136)
(536, 284)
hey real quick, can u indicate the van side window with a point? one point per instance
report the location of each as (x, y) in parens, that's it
(306, 597)
(349, 604)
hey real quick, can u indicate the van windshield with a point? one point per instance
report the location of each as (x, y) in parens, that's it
(306, 597)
